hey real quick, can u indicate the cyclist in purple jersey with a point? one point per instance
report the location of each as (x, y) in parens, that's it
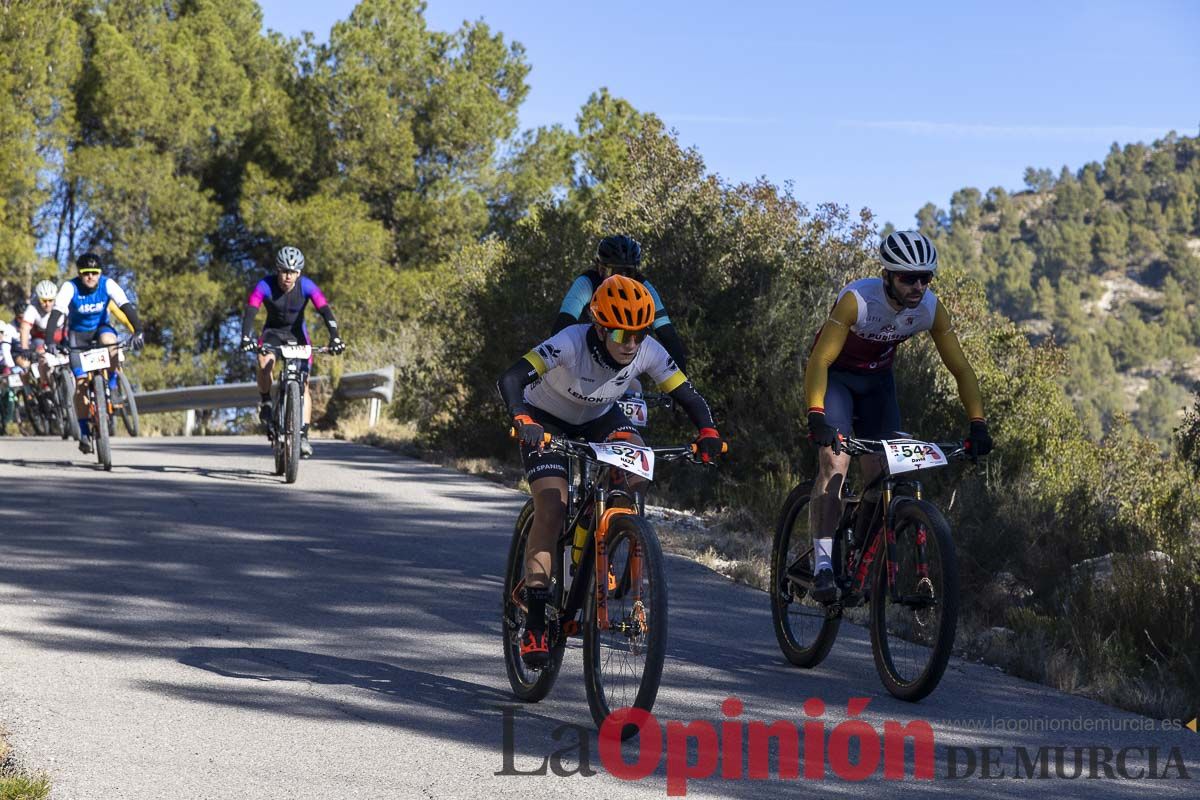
(285, 296)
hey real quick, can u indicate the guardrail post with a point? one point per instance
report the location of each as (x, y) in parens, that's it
(189, 422)
(373, 413)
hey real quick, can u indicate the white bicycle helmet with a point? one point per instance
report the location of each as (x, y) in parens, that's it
(908, 251)
(45, 290)
(289, 259)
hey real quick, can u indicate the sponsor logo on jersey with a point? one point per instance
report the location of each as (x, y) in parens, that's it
(548, 352)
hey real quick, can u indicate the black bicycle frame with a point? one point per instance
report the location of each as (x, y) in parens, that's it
(853, 576)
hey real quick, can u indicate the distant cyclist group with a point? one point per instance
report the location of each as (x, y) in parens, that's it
(79, 317)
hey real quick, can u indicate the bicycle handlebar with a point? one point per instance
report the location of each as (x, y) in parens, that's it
(860, 447)
(266, 349)
(565, 444)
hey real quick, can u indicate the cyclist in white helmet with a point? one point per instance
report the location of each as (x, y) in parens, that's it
(285, 295)
(849, 384)
(36, 316)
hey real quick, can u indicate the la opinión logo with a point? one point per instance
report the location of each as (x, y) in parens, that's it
(741, 749)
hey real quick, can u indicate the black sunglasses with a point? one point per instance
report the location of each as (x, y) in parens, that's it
(912, 278)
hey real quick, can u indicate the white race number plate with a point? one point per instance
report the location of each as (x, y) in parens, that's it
(93, 360)
(629, 457)
(296, 350)
(635, 409)
(907, 455)
(14, 381)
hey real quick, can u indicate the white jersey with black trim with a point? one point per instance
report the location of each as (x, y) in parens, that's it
(578, 384)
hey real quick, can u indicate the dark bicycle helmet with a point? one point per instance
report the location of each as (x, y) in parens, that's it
(88, 262)
(619, 251)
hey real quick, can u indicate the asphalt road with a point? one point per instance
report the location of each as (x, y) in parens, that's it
(187, 626)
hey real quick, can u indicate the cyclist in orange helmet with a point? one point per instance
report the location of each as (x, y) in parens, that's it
(568, 385)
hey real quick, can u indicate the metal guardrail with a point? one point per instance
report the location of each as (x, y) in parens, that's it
(377, 386)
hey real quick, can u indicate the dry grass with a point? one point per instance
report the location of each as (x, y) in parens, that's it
(15, 782)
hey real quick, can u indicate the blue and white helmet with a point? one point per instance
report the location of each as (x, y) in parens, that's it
(908, 251)
(289, 259)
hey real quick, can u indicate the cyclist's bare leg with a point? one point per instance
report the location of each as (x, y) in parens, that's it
(307, 402)
(549, 512)
(825, 508)
(262, 373)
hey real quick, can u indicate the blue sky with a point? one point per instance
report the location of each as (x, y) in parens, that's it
(880, 104)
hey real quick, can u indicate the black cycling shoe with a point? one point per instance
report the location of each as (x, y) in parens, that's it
(824, 589)
(305, 447)
(265, 412)
(85, 445)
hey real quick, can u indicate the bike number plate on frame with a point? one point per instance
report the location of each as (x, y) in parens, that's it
(93, 360)
(629, 457)
(55, 361)
(14, 381)
(295, 350)
(635, 409)
(908, 455)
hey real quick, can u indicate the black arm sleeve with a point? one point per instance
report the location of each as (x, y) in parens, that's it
(512, 386)
(673, 345)
(129, 311)
(56, 318)
(696, 407)
(563, 320)
(326, 312)
(248, 320)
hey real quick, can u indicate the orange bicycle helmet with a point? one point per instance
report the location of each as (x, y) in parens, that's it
(622, 302)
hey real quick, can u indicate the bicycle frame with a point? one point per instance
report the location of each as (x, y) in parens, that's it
(867, 534)
(593, 494)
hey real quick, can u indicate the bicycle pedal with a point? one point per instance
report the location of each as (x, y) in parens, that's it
(612, 582)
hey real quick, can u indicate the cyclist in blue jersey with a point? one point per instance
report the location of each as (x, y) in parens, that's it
(619, 255)
(83, 303)
(285, 295)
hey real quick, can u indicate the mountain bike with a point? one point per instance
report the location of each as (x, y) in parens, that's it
(96, 363)
(613, 574)
(11, 392)
(62, 391)
(125, 403)
(891, 550)
(287, 417)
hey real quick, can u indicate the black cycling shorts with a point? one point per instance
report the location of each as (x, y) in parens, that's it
(546, 464)
(862, 404)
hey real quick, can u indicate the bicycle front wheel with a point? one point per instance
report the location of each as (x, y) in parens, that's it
(912, 630)
(804, 628)
(100, 421)
(530, 685)
(293, 412)
(622, 663)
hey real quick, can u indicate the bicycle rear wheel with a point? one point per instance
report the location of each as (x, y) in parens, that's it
(100, 421)
(804, 628)
(65, 390)
(527, 684)
(623, 664)
(129, 410)
(912, 636)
